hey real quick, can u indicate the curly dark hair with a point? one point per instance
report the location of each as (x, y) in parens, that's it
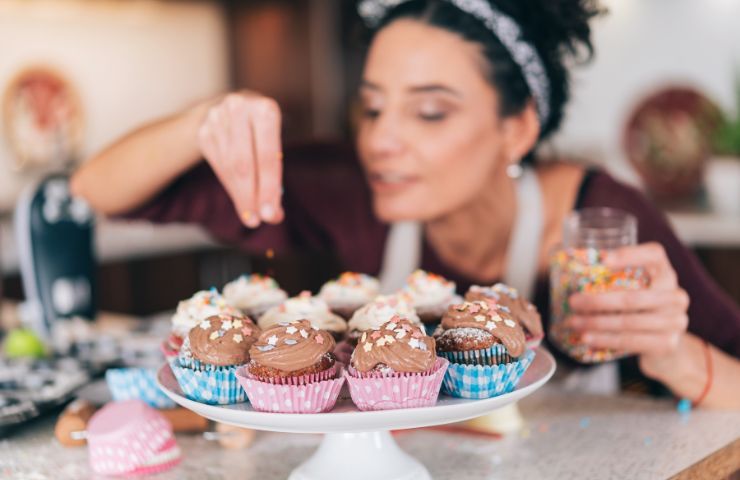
(558, 29)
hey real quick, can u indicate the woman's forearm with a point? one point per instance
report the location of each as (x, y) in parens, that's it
(686, 373)
(136, 167)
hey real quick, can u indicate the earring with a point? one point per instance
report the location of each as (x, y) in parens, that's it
(514, 170)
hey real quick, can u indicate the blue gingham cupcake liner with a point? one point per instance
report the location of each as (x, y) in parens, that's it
(137, 384)
(485, 381)
(430, 328)
(494, 355)
(214, 386)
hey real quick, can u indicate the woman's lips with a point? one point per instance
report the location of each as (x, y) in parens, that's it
(391, 182)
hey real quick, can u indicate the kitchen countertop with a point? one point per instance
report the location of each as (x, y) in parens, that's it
(568, 435)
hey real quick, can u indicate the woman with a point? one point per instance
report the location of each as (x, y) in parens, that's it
(454, 94)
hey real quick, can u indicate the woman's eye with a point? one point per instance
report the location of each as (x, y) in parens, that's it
(370, 113)
(432, 116)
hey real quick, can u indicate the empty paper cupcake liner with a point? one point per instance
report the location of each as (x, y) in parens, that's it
(400, 390)
(494, 355)
(315, 397)
(137, 384)
(485, 381)
(214, 386)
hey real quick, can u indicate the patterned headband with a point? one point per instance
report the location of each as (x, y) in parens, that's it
(502, 26)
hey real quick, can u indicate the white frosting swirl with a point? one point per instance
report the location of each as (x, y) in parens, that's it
(197, 308)
(350, 289)
(381, 310)
(254, 292)
(304, 306)
(428, 290)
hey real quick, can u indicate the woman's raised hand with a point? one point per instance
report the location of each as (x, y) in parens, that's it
(240, 139)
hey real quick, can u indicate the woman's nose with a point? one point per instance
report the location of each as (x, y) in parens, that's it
(385, 137)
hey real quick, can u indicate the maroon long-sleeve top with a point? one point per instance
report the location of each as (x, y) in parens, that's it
(328, 207)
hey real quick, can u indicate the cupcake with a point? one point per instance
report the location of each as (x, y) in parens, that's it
(486, 349)
(430, 295)
(207, 362)
(395, 366)
(381, 310)
(511, 302)
(254, 294)
(292, 370)
(194, 310)
(349, 292)
(305, 307)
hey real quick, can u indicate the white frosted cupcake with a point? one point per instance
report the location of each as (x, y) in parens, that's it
(349, 292)
(305, 306)
(430, 294)
(254, 294)
(197, 308)
(381, 310)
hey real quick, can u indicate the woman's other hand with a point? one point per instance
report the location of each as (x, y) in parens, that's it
(648, 322)
(240, 139)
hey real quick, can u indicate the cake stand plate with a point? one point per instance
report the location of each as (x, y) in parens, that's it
(357, 444)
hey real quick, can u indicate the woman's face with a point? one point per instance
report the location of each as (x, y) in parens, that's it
(430, 136)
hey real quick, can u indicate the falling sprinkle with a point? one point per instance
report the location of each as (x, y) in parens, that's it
(238, 338)
(272, 340)
(270, 253)
(585, 422)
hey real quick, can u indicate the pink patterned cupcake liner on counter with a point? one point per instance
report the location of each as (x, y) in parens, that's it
(130, 438)
(297, 396)
(400, 390)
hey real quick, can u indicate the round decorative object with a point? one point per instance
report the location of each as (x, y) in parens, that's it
(667, 140)
(43, 119)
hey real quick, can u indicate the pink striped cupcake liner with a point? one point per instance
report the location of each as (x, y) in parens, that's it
(298, 395)
(400, 390)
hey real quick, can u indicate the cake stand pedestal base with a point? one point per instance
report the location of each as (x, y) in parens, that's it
(360, 456)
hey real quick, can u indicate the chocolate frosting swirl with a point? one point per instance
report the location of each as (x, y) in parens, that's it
(484, 316)
(521, 309)
(399, 344)
(223, 340)
(291, 346)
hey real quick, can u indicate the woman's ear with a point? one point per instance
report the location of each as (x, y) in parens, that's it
(520, 132)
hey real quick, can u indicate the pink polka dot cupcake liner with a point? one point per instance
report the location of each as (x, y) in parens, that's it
(296, 395)
(399, 390)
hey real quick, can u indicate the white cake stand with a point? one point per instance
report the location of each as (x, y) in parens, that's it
(358, 444)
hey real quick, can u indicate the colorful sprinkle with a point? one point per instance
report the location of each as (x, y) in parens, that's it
(272, 340)
(238, 338)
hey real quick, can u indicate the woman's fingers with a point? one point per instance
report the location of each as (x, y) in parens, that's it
(651, 256)
(265, 124)
(638, 322)
(242, 168)
(634, 342)
(629, 301)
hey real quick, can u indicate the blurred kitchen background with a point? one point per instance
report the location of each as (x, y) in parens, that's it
(657, 107)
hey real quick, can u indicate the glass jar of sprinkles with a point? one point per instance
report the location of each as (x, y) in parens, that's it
(577, 266)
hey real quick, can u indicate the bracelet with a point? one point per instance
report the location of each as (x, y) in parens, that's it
(710, 375)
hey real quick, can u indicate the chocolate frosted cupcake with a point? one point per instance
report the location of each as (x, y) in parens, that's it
(430, 295)
(349, 292)
(395, 366)
(292, 370)
(254, 294)
(381, 310)
(295, 352)
(510, 301)
(305, 307)
(477, 333)
(486, 349)
(207, 362)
